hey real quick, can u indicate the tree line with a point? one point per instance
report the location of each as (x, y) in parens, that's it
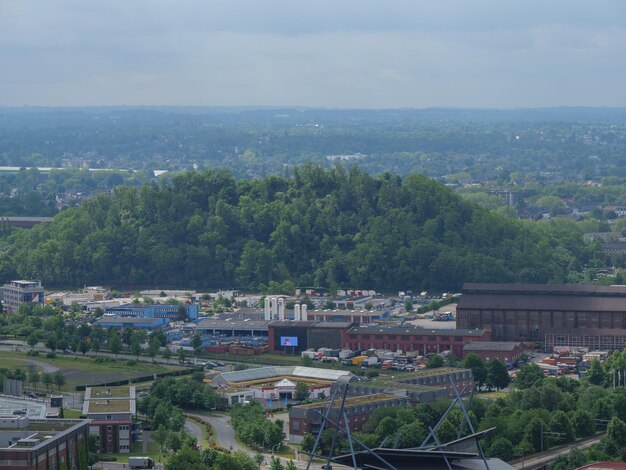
(320, 227)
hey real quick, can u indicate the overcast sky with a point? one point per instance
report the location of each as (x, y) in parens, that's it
(327, 53)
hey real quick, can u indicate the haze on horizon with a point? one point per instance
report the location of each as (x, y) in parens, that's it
(328, 53)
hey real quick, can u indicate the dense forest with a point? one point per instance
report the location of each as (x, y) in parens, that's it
(320, 227)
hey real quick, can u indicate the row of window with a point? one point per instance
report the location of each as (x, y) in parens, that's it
(408, 338)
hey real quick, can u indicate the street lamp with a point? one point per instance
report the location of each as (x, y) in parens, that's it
(274, 447)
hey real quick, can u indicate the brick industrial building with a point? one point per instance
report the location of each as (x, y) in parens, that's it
(585, 316)
(504, 351)
(410, 338)
(43, 444)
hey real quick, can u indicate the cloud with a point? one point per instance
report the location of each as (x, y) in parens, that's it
(332, 53)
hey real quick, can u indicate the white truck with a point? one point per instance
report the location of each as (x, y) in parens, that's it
(140, 462)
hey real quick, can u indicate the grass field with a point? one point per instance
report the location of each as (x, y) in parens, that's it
(85, 370)
(14, 363)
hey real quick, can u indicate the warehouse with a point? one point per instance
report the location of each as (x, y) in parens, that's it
(424, 341)
(292, 337)
(584, 316)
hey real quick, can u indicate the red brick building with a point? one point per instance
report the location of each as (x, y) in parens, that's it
(553, 315)
(410, 338)
(506, 352)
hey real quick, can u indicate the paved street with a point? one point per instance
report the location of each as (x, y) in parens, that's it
(223, 432)
(194, 429)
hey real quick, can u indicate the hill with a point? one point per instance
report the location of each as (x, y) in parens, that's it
(321, 227)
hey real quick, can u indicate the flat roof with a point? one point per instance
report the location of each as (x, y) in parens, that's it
(260, 373)
(130, 320)
(536, 297)
(46, 430)
(491, 346)
(210, 323)
(414, 330)
(354, 401)
(109, 400)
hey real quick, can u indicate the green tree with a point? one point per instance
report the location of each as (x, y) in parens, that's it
(583, 424)
(533, 434)
(196, 343)
(595, 375)
(181, 355)
(160, 436)
(47, 380)
(187, 458)
(114, 342)
(308, 441)
(32, 340)
(501, 448)
(474, 362)
(616, 431)
(435, 361)
(411, 434)
(166, 354)
(59, 379)
(560, 423)
(529, 375)
(135, 347)
(497, 375)
(302, 391)
(83, 347)
(276, 464)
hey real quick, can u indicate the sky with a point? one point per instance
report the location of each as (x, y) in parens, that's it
(323, 53)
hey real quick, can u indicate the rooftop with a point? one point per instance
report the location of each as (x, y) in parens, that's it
(588, 298)
(130, 320)
(233, 324)
(429, 373)
(109, 400)
(107, 406)
(354, 401)
(414, 330)
(491, 346)
(262, 373)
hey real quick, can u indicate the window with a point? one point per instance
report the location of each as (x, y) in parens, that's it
(378, 337)
(458, 338)
(418, 338)
(445, 338)
(404, 337)
(109, 438)
(392, 336)
(365, 336)
(295, 425)
(432, 338)
(109, 428)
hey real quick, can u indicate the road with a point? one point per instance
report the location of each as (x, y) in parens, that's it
(223, 432)
(48, 368)
(542, 458)
(194, 429)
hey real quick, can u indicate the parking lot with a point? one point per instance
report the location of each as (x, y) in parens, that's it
(33, 409)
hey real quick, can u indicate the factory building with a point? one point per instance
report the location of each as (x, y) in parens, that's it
(577, 316)
(423, 341)
(295, 336)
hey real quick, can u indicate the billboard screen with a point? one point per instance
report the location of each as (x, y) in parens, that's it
(288, 340)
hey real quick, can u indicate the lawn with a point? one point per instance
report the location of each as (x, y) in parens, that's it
(15, 363)
(86, 371)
